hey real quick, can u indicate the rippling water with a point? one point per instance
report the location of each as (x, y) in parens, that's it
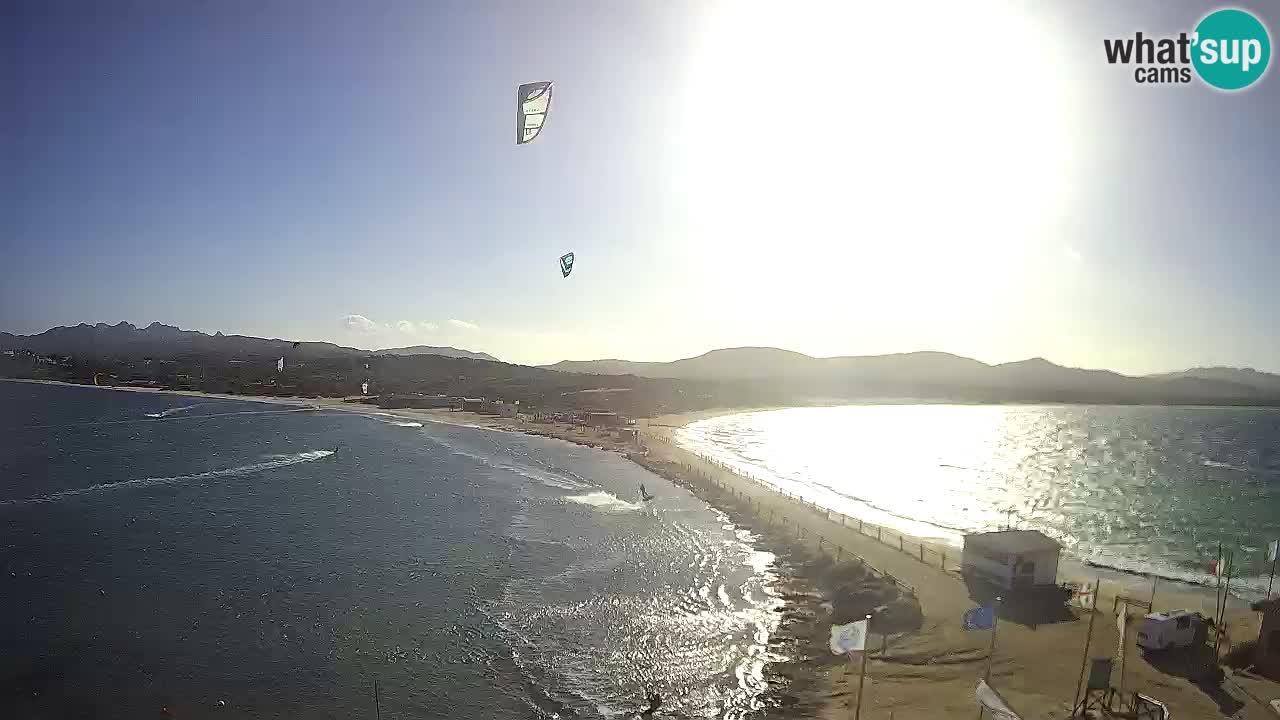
(159, 552)
(1150, 489)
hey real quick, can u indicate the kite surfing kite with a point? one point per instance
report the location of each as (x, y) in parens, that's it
(533, 102)
(566, 264)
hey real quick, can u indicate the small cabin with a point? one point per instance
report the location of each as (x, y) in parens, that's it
(1266, 654)
(1012, 559)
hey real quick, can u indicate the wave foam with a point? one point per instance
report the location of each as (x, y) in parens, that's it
(173, 411)
(604, 501)
(277, 461)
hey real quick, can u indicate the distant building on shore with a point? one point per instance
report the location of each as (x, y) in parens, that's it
(1012, 559)
(605, 419)
(394, 400)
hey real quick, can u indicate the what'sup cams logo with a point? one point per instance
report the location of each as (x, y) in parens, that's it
(1229, 49)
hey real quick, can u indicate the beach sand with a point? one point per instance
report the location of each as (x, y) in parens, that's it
(927, 673)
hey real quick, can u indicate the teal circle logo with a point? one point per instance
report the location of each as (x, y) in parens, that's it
(1232, 49)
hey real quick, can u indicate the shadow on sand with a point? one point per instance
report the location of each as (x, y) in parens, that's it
(1042, 607)
(1196, 664)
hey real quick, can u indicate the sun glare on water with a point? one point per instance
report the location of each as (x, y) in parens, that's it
(889, 144)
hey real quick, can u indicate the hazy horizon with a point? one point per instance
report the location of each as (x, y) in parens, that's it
(323, 172)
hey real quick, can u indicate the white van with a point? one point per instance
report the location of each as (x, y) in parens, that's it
(1172, 629)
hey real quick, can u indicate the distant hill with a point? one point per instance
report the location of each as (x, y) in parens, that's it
(163, 340)
(1236, 376)
(939, 375)
(442, 351)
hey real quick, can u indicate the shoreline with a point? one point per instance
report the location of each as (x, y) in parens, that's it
(926, 671)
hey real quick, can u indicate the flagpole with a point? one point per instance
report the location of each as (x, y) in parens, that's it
(862, 672)
(1217, 591)
(1218, 640)
(1274, 551)
(995, 623)
(1088, 638)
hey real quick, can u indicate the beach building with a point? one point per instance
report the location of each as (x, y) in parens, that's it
(475, 405)
(604, 419)
(1266, 654)
(394, 400)
(1012, 559)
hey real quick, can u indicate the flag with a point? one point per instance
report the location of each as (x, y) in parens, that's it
(1083, 596)
(1122, 618)
(979, 618)
(849, 638)
(994, 705)
(1273, 550)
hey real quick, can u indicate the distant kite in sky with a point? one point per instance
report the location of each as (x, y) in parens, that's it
(533, 103)
(566, 264)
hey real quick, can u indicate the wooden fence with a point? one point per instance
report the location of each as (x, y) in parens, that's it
(939, 557)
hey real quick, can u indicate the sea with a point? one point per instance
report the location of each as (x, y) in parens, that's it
(171, 556)
(1140, 490)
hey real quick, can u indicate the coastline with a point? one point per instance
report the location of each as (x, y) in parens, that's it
(932, 672)
(926, 671)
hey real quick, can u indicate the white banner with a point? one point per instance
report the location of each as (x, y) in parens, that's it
(849, 638)
(990, 700)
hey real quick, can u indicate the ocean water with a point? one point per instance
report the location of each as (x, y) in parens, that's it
(164, 551)
(1141, 489)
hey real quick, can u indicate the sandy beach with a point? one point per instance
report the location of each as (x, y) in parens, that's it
(918, 669)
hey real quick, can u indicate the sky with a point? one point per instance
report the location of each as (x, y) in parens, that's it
(832, 178)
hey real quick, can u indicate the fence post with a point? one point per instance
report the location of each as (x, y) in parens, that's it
(859, 525)
(879, 533)
(901, 547)
(921, 552)
(839, 552)
(821, 540)
(944, 560)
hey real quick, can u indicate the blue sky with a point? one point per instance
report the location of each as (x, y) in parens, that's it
(726, 173)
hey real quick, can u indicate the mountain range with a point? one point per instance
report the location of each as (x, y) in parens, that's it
(761, 375)
(938, 374)
(158, 339)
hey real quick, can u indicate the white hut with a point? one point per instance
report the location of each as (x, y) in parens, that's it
(1012, 559)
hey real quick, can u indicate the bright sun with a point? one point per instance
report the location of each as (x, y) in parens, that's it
(926, 144)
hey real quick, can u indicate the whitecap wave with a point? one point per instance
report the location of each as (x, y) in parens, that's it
(275, 461)
(174, 411)
(407, 424)
(604, 501)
